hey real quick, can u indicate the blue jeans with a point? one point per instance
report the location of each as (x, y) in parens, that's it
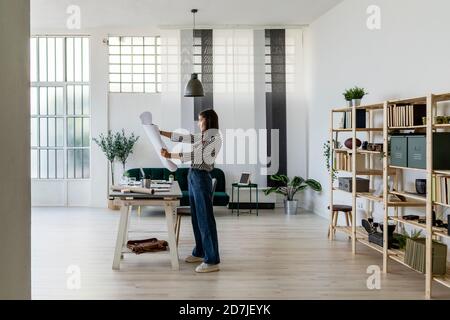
(203, 222)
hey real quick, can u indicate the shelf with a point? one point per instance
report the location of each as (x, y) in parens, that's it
(399, 256)
(407, 204)
(359, 151)
(441, 126)
(359, 130)
(443, 172)
(421, 100)
(368, 172)
(442, 97)
(442, 204)
(413, 196)
(409, 222)
(444, 280)
(441, 233)
(369, 196)
(407, 168)
(370, 245)
(377, 106)
(408, 128)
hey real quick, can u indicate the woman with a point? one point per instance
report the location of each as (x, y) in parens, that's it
(205, 147)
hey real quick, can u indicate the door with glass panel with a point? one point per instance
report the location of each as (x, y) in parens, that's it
(60, 110)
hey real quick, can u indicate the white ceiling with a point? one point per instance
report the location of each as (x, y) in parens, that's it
(139, 13)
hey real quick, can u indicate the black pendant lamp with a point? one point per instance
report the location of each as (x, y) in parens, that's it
(194, 87)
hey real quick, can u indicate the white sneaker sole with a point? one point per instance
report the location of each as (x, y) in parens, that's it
(207, 270)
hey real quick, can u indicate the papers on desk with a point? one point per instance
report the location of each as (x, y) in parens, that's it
(160, 186)
(133, 189)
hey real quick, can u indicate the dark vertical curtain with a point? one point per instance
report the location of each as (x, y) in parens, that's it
(203, 40)
(276, 94)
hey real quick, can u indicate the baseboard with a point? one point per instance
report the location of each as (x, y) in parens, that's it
(248, 205)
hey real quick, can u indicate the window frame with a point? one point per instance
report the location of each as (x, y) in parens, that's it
(65, 115)
(157, 64)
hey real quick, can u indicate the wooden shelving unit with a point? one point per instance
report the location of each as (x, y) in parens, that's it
(358, 234)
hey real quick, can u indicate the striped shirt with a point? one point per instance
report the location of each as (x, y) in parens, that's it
(205, 147)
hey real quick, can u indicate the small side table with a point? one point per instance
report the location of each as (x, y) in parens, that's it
(239, 186)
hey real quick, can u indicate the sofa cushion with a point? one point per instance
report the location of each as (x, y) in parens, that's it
(221, 198)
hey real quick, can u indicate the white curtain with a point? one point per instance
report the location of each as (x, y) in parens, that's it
(234, 99)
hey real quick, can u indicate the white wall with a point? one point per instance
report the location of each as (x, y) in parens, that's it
(409, 56)
(15, 212)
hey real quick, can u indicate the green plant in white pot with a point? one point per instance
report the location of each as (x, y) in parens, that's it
(348, 95)
(357, 94)
(290, 188)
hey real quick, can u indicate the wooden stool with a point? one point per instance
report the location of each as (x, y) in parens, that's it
(347, 210)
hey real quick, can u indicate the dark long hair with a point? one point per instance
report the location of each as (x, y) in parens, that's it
(212, 120)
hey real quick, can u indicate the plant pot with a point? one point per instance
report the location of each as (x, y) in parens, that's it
(349, 103)
(356, 102)
(290, 207)
(415, 253)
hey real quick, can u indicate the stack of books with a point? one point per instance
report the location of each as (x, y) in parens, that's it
(343, 162)
(441, 189)
(406, 115)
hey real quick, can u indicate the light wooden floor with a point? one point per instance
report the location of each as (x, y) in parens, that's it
(267, 257)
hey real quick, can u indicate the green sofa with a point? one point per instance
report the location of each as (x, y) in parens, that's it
(221, 198)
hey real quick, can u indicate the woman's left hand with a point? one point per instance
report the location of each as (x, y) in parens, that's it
(166, 154)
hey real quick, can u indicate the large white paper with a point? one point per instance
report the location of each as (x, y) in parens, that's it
(152, 132)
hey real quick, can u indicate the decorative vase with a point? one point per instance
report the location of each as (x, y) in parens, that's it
(349, 143)
(290, 207)
(421, 186)
(356, 102)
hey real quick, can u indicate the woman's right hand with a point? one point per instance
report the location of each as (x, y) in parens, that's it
(165, 133)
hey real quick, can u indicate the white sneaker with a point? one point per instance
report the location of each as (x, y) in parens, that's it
(193, 259)
(204, 268)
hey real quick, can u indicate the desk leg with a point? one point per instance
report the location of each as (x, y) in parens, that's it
(232, 200)
(121, 233)
(257, 202)
(170, 210)
(238, 191)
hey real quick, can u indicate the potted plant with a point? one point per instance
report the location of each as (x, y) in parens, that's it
(290, 188)
(108, 146)
(124, 146)
(357, 94)
(348, 95)
(328, 154)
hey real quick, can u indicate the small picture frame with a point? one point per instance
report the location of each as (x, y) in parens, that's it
(245, 178)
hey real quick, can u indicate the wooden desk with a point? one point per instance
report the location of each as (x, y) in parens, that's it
(169, 200)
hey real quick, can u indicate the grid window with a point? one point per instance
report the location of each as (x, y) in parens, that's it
(60, 108)
(134, 64)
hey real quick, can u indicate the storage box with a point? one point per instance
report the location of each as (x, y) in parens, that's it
(411, 151)
(362, 185)
(441, 151)
(417, 152)
(415, 253)
(399, 151)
